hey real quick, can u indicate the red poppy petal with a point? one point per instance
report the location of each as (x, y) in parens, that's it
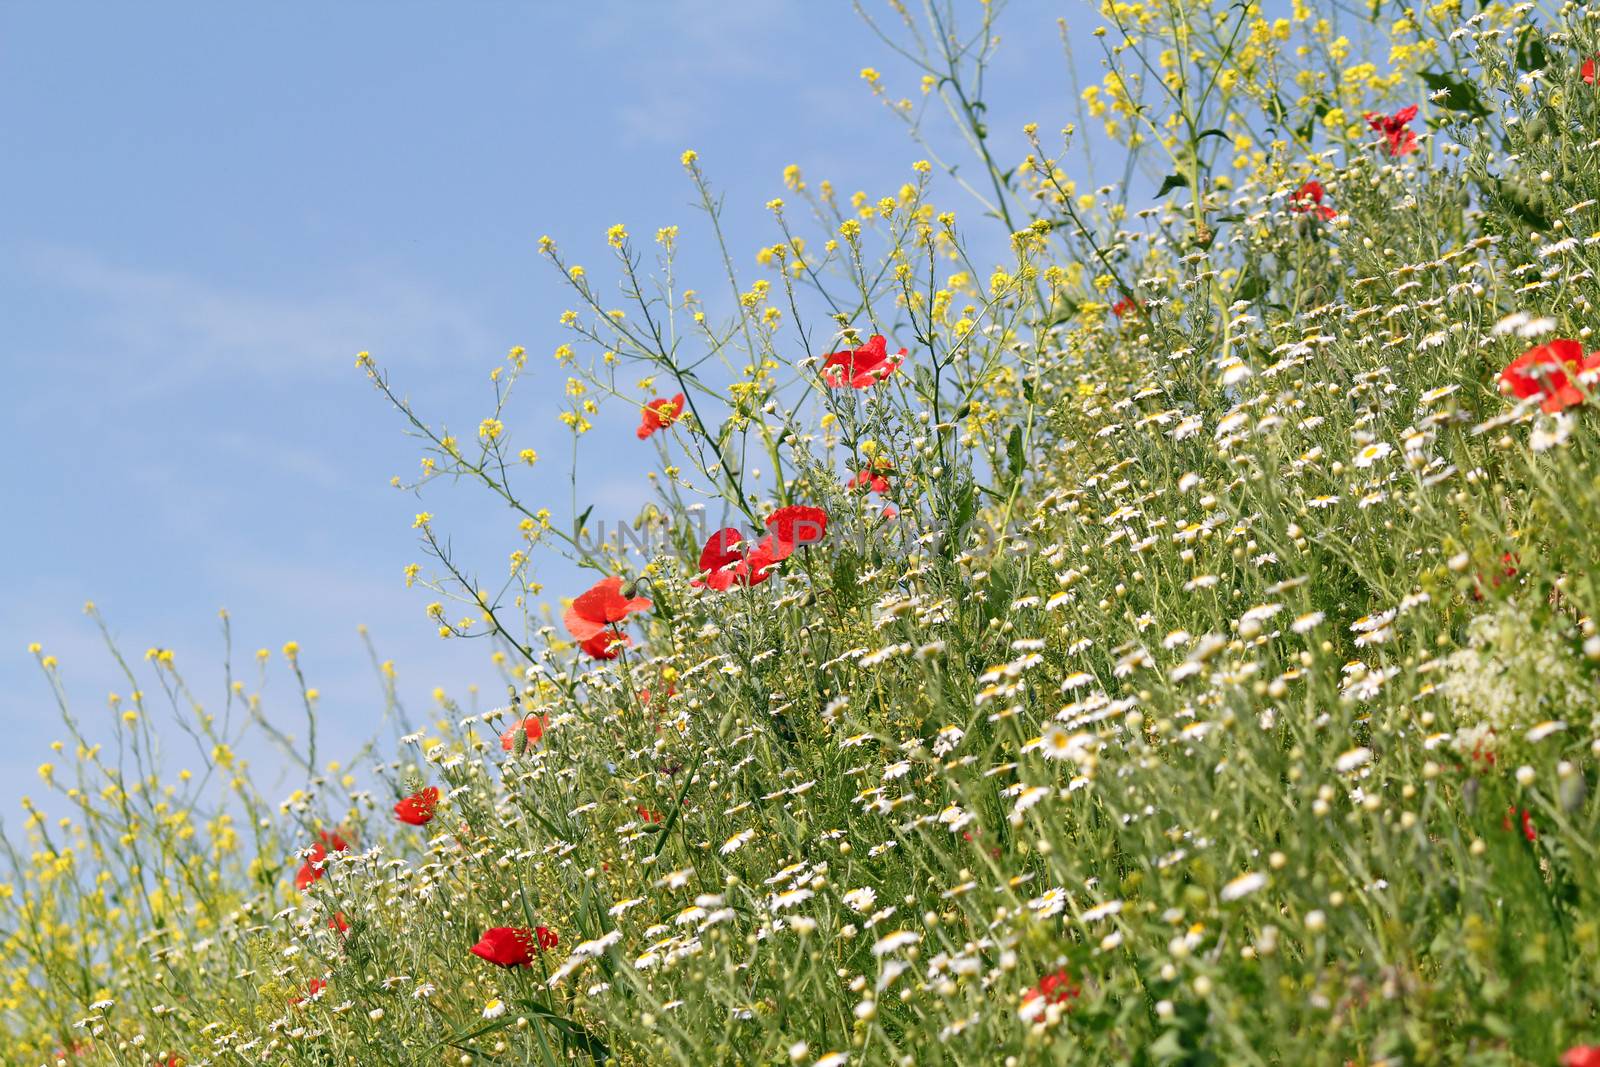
(607, 644)
(763, 559)
(796, 526)
(721, 550)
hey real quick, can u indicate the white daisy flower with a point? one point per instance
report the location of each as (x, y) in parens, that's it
(1243, 885)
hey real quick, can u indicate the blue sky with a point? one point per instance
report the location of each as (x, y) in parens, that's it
(207, 210)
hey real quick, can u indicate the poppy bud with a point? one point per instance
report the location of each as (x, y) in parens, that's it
(1572, 792)
(519, 743)
(630, 590)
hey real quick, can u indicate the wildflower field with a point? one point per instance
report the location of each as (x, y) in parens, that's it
(1140, 610)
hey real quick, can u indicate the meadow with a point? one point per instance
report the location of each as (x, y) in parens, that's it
(1173, 642)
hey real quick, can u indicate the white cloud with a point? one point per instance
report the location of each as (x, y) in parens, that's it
(172, 326)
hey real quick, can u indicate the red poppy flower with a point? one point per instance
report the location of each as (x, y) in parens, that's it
(310, 873)
(312, 870)
(795, 527)
(647, 695)
(1587, 73)
(659, 414)
(763, 559)
(647, 815)
(506, 946)
(1395, 129)
(1547, 371)
(607, 644)
(994, 850)
(338, 923)
(1057, 988)
(1308, 198)
(313, 987)
(721, 560)
(417, 809)
(873, 477)
(513, 946)
(1528, 831)
(861, 367)
(1123, 306)
(1581, 1055)
(600, 607)
(723, 565)
(533, 726)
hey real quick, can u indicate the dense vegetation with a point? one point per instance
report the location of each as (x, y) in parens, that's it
(1173, 644)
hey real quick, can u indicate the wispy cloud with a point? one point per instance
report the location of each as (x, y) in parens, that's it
(715, 46)
(171, 326)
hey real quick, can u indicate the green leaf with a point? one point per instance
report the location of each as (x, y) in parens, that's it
(1252, 286)
(1460, 96)
(1171, 182)
(1062, 309)
(844, 570)
(1519, 200)
(1168, 1048)
(1531, 52)
(1306, 129)
(1213, 132)
(1014, 453)
(574, 1033)
(966, 506)
(677, 806)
